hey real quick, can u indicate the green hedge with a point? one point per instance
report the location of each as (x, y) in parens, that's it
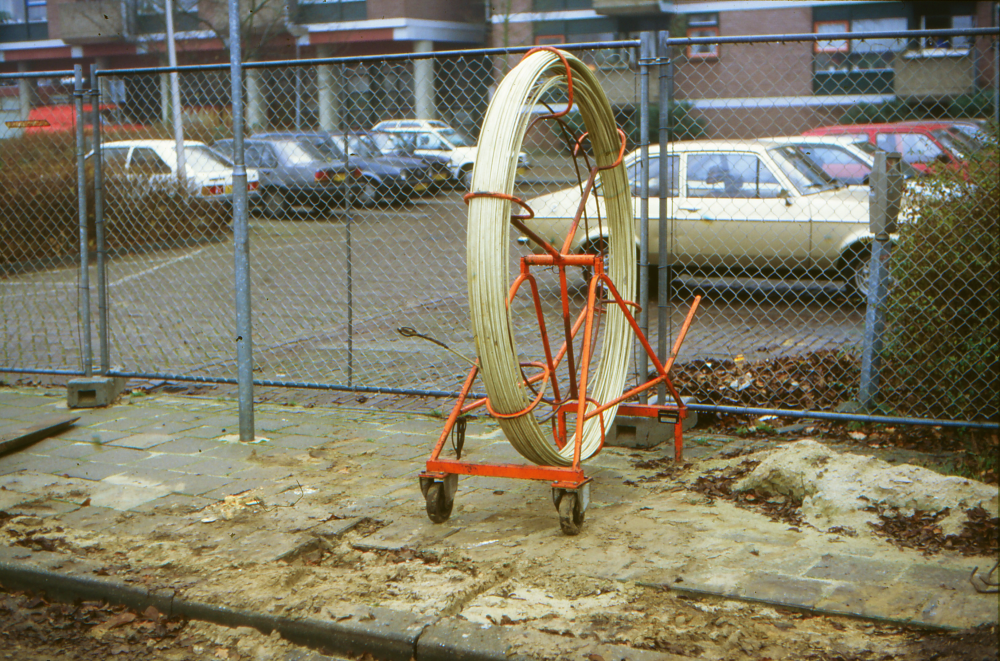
(978, 105)
(942, 347)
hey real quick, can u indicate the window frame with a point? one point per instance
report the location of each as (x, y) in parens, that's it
(713, 54)
(550, 39)
(833, 47)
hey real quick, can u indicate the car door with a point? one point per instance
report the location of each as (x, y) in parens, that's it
(260, 155)
(673, 184)
(736, 212)
(430, 144)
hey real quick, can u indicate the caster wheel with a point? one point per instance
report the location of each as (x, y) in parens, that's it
(570, 514)
(438, 505)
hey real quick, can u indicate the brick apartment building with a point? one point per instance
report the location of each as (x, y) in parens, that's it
(742, 90)
(736, 90)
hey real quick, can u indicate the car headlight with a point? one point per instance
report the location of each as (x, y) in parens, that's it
(402, 176)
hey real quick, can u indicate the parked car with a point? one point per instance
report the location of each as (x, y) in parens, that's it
(922, 145)
(293, 173)
(435, 137)
(151, 165)
(840, 157)
(972, 129)
(384, 179)
(738, 208)
(405, 145)
(963, 139)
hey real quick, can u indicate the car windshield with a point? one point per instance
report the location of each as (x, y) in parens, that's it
(301, 152)
(804, 174)
(201, 159)
(837, 163)
(456, 138)
(956, 143)
(327, 147)
(361, 145)
(392, 143)
(971, 132)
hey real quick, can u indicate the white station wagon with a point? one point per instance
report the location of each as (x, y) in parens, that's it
(735, 209)
(151, 165)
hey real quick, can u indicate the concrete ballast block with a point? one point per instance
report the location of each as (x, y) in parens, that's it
(638, 432)
(94, 391)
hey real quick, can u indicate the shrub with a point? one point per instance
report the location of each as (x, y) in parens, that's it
(942, 345)
(39, 209)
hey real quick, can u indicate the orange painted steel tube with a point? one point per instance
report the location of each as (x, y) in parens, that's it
(455, 411)
(574, 476)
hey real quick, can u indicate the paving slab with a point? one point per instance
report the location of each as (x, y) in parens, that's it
(151, 470)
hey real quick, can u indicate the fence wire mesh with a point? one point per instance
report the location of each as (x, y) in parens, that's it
(356, 173)
(775, 229)
(39, 223)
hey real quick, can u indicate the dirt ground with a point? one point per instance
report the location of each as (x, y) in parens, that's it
(346, 577)
(646, 618)
(36, 630)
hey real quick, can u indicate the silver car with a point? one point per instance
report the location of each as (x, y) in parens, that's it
(736, 208)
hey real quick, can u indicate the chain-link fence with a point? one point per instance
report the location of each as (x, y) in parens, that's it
(39, 223)
(357, 167)
(794, 210)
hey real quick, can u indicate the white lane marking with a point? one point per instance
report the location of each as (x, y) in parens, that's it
(140, 274)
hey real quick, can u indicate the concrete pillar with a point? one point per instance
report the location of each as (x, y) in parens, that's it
(327, 93)
(101, 63)
(423, 82)
(165, 98)
(256, 114)
(25, 91)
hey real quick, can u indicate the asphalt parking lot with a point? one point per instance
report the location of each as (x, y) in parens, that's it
(172, 310)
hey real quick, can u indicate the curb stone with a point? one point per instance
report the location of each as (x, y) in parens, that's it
(387, 635)
(453, 639)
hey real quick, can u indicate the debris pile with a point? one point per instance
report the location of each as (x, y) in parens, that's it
(852, 491)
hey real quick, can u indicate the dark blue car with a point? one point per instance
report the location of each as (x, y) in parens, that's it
(383, 180)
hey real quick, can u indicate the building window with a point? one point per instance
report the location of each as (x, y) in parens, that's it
(943, 22)
(703, 26)
(833, 45)
(550, 40)
(13, 11)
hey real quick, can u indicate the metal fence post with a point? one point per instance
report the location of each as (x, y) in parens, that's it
(647, 50)
(241, 235)
(81, 189)
(878, 281)
(102, 281)
(664, 275)
(349, 256)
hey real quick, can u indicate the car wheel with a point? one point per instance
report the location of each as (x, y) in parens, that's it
(466, 177)
(367, 194)
(275, 203)
(858, 272)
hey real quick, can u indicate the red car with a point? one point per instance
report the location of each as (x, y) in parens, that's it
(922, 144)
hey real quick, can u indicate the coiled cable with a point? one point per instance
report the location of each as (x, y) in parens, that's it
(507, 119)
